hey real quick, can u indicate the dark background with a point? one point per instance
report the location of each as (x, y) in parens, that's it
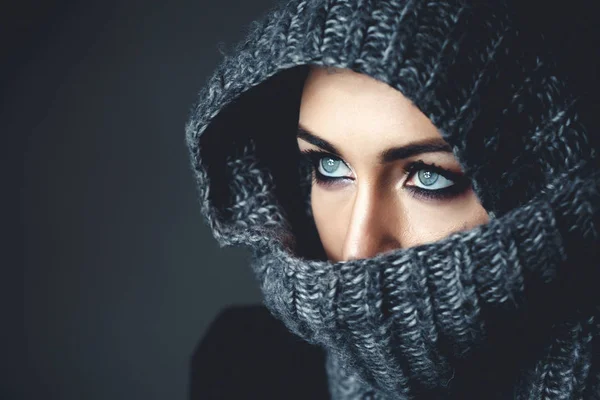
(109, 276)
(121, 277)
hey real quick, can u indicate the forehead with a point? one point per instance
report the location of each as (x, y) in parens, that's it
(347, 108)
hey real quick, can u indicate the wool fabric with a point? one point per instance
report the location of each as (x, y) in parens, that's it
(506, 310)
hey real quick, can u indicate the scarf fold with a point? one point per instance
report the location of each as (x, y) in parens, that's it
(507, 310)
(504, 306)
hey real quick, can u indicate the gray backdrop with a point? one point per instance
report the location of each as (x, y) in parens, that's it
(120, 276)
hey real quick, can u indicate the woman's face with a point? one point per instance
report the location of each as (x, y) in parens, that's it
(383, 176)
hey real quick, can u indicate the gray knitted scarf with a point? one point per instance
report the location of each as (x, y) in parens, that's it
(507, 310)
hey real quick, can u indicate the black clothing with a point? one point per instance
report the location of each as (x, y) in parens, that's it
(248, 354)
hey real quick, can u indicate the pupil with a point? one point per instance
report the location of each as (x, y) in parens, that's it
(329, 164)
(428, 178)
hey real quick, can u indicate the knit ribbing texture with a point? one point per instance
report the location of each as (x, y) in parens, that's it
(507, 310)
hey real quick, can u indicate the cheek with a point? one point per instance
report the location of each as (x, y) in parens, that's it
(430, 222)
(331, 221)
(414, 221)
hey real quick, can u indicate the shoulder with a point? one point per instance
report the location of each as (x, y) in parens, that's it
(247, 353)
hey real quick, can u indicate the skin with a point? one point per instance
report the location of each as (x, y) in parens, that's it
(371, 210)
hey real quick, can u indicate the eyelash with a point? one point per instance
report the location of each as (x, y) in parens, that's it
(461, 182)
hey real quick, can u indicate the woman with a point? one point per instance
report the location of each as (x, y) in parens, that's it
(419, 193)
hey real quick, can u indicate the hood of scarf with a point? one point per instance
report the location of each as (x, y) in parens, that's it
(505, 310)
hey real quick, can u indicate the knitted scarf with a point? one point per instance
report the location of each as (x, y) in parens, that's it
(506, 310)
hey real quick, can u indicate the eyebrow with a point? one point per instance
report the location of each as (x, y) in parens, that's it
(433, 145)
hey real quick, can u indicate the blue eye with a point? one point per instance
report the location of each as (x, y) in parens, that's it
(431, 180)
(330, 167)
(327, 169)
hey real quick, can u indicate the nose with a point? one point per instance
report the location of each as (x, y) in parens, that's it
(372, 225)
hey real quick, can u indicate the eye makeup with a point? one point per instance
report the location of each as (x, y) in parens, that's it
(313, 158)
(460, 182)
